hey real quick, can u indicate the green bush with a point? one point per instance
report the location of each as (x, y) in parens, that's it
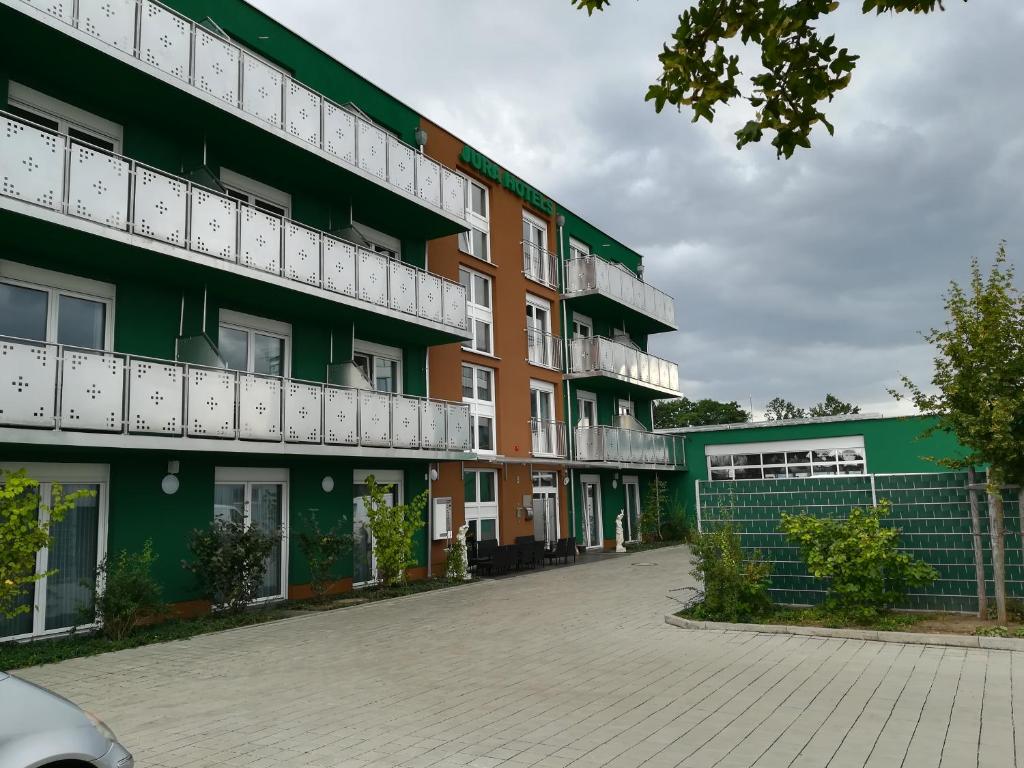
(735, 589)
(126, 592)
(230, 561)
(322, 550)
(393, 527)
(675, 526)
(859, 558)
(455, 562)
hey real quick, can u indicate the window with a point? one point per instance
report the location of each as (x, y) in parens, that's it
(545, 507)
(478, 391)
(256, 193)
(258, 498)
(481, 488)
(381, 365)
(582, 326)
(480, 310)
(538, 264)
(791, 458)
(578, 249)
(379, 242)
(254, 344)
(41, 305)
(79, 543)
(625, 408)
(541, 345)
(64, 118)
(586, 408)
(477, 242)
(543, 428)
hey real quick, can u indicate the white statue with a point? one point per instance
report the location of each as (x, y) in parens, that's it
(463, 529)
(619, 537)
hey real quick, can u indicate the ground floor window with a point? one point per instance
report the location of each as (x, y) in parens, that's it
(61, 600)
(481, 488)
(258, 497)
(364, 564)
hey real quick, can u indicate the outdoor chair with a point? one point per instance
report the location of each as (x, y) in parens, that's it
(561, 550)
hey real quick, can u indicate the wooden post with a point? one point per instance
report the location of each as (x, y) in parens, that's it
(996, 533)
(979, 555)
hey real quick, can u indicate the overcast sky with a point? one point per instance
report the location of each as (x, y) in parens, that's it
(791, 278)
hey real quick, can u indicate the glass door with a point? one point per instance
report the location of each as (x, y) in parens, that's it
(364, 564)
(542, 412)
(545, 507)
(535, 241)
(261, 505)
(631, 520)
(592, 511)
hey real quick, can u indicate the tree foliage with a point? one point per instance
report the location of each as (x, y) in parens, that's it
(393, 527)
(800, 69)
(833, 406)
(126, 592)
(780, 409)
(859, 558)
(322, 550)
(230, 561)
(684, 412)
(24, 530)
(735, 587)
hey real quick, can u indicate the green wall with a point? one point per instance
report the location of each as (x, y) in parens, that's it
(601, 244)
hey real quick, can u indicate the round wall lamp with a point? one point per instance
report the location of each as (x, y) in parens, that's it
(434, 474)
(615, 483)
(327, 483)
(170, 484)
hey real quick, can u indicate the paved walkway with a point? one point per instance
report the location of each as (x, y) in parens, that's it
(568, 667)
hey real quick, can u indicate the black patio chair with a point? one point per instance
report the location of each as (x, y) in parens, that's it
(561, 550)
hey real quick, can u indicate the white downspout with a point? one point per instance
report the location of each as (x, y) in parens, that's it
(569, 433)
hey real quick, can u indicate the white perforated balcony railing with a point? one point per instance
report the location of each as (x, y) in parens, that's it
(194, 58)
(82, 182)
(599, 356)
(59, 389)
(540, 265)
(591, 274)
(547, 438)
(628, 446)
(543, 349)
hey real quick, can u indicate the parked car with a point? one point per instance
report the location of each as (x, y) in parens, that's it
(39, 729)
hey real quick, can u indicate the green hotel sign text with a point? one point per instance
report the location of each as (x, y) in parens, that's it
(517, 186)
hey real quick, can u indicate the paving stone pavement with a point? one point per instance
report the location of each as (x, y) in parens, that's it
(565, 667)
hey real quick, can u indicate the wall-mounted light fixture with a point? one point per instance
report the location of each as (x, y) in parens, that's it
(327, 484)
(421, 138)
(434, 474)
(170, 482)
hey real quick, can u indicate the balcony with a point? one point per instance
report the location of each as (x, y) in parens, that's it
(52, 394)
(78, 185)
(540, 265)
(606, 288)
(543, 349)
(547, 439)
(596, 356)
(629, 447)
(159, 42)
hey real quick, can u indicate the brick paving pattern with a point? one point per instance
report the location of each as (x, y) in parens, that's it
(566, 667)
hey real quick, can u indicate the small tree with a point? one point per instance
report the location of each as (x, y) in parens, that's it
(654, 510)
(978, 383)
(126, 593)
(780, 409)
(322, 550)
(393, 527)
(455, 560)
(735, 588)
(24, 530)
(859, 558)
(833, 406)
(230, 562)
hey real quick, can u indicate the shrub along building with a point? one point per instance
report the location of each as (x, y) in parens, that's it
(237, 278)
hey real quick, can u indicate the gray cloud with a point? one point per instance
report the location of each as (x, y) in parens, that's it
(791, 277)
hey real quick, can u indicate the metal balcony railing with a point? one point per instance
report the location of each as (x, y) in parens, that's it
(70, 389)
(628, 446)
(540, 265)
(208, 63)
(602, 356)
(547, 438)
(543, 349)
(46, 169)
(591, 273)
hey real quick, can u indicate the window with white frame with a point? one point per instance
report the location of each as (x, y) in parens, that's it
(380, 242)
(537, 262)
(380, 364)
(540, 344)
(578, 249)
(78, 545)
(64, 118)
(478, 389)
(477, 241)
(43, 305)
(586, 408)
(788, 458)
(254, 344)
(480, 309)
(256, 193)
(582, 326)
(625, 408)
(543, 428)
(481, 505)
